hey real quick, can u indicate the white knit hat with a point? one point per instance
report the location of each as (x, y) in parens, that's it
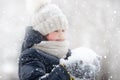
(46, 17)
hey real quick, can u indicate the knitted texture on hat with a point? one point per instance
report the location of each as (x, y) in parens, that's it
(48, 19)
(33, 6)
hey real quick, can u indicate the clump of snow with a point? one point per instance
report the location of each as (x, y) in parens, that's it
(83, 63)
(84, 54)
(44, 76)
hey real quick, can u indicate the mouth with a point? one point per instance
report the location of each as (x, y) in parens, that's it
(60, 39)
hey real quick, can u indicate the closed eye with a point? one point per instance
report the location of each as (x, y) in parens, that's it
(63, 30)
(56, 31)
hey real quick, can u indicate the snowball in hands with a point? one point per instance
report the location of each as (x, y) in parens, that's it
(82, 64)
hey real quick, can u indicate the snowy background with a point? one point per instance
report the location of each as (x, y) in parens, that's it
(93, 23)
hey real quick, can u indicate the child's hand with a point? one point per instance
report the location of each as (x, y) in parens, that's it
(81, 66)
(81, 70)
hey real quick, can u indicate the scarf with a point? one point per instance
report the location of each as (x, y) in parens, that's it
(56, 48)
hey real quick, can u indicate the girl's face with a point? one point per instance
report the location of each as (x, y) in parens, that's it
(58, 35)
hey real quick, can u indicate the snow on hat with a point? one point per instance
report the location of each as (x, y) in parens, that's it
(46, 17)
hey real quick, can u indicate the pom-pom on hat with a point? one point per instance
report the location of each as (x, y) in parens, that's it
(46, 17)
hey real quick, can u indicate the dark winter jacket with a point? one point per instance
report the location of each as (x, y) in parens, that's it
(35, 64)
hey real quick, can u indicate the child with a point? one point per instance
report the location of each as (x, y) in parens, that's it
(44, 44)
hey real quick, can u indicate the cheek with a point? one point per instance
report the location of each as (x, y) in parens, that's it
(52, 37)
